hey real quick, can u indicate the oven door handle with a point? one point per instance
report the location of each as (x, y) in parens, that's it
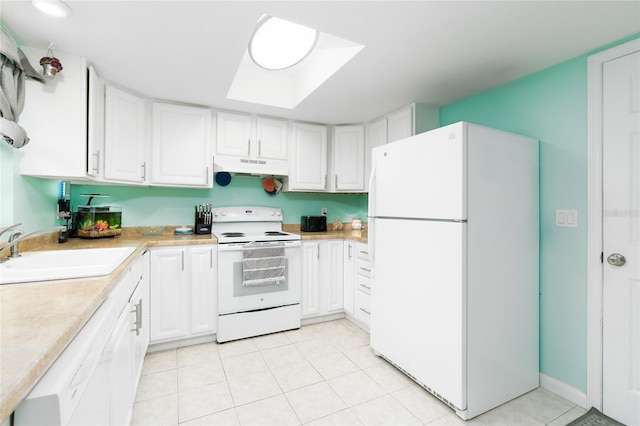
(240, 246)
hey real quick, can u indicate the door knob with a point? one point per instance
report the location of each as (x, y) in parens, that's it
(616, 259)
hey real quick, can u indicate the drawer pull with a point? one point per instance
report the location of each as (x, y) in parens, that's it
(365, 269)
(365, 286)
(364, 252)
(365, 311)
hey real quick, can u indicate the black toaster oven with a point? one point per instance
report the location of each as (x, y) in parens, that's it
(313, 223)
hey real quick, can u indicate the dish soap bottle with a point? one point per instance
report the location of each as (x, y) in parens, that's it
(337, 225)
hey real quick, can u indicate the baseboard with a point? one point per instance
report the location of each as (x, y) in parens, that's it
(564, 390)
(173, 344)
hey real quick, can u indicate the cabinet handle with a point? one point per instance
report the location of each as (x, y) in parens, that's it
(336, 181)
(211, 258)
(365, 311)
(249, 147)
(259, 147)
(207, 174)
(318, 252)
(182, 253)
(97, 165)
(365, 286)
(350, 251)
(144, 170)
(138, 322)
(365, 269)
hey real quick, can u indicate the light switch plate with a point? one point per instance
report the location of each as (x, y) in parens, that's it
(567, 218)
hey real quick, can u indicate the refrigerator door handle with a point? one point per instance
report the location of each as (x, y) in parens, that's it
(372, 220)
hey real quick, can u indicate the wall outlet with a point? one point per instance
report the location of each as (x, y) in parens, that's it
(324, 211)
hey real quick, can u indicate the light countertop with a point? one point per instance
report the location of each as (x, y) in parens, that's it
(38, 320)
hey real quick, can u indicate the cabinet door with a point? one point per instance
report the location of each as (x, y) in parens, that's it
(138, 349)
(348, 158)
(332, 266)
(311, 301)
(233, 134)
(180, 153)
(124, 136)
(308, 157)
(272, 136)
(348, 276)
(400, 125)
(169, 295)
(95, 126)
(203, 304)
(55, 118)
(375, 136)
(122, 394)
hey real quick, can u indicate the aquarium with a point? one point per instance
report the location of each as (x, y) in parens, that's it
(99, 221)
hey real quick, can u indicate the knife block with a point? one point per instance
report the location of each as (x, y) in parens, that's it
(202, 227)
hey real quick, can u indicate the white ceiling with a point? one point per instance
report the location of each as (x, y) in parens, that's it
(434, 52)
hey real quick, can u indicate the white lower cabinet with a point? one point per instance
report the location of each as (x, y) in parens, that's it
(349, 276)
(322, 277)
(183, 297)
(129, 341)
(94, 380)
(362, 285)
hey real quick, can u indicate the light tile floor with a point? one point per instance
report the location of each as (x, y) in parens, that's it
(321, 374)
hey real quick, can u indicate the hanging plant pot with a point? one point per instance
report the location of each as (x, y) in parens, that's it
(50, 66)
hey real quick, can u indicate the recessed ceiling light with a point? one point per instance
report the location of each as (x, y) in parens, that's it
(55, 8)
(277, 44)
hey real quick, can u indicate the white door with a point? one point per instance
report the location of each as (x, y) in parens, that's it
(621, 239)
(203, 305)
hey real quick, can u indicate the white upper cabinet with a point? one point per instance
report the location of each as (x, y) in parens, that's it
(180, 145)
(375, 136)
(95, 126)
(233, 134)
(124, 136)
(400, 124)
(272, 136)
(251, 144)
(55, 119)
(348, 156)
(307, 158)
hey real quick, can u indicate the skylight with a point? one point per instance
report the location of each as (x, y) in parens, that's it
(278, 44)
(271, 80)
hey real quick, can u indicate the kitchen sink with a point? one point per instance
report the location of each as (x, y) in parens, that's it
(62, 264)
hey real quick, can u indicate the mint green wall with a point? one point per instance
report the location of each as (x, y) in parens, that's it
(24, 199)
(175, 206)
(551, 105)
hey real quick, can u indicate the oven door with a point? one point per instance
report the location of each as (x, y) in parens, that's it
(233, 297)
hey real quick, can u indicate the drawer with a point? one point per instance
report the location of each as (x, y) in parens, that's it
(363, 284)
(362, 251)
(363, 267)
(363, 307)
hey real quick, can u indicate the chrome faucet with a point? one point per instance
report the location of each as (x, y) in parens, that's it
(18, 236)
(7, 228)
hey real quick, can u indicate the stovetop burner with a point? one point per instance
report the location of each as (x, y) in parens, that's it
(233, 234)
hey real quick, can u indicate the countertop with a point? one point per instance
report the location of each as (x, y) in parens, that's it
(38, 320)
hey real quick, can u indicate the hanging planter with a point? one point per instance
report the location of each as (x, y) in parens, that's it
(50, 64)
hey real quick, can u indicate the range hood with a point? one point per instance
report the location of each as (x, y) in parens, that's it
(250, 165)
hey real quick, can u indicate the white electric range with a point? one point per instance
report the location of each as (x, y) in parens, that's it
(246, 307)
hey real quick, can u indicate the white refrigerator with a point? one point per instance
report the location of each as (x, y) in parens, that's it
(453, 235)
